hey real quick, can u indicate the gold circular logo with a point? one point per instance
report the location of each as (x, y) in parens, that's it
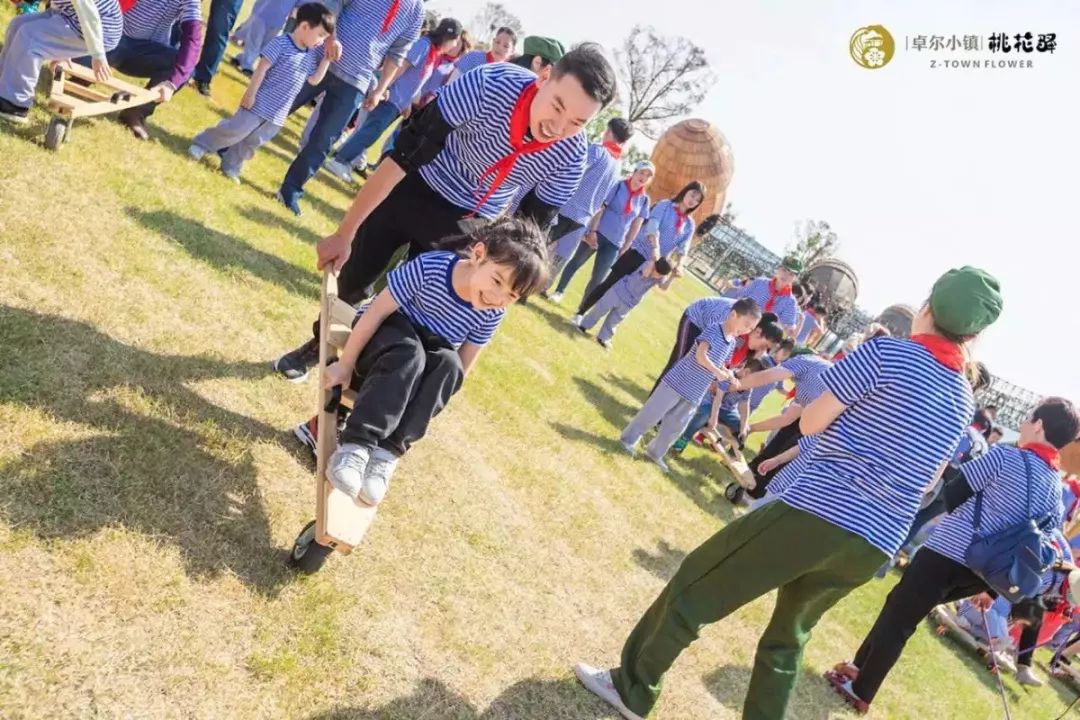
(872, 47)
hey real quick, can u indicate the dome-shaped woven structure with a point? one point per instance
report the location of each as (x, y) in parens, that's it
(834, 281)
(1070, 458)
(897, 318)
(693, 150)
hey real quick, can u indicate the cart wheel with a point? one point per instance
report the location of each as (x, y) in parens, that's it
(308, 556)
(734, 492)
(54, 134)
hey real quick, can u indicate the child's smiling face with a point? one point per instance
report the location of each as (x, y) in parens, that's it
(490, 286)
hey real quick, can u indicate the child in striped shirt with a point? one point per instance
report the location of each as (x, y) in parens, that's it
(623, 297)
(413, 345)
(502, 48)
(681, 389)
(67, 30)
(286, 63)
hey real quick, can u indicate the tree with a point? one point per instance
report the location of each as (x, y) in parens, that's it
(664, 77)
(814, 240)
(728, 216)
(489, 19)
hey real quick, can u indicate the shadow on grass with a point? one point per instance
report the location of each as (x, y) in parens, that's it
(149, 453)
(613, 410)
(227, 252)
(602, 442)
(262, 216)
(526, 700)
(729, 683)
(702, 480)
(974, 664)
(559, 323)
(628, 386)
(663, 562)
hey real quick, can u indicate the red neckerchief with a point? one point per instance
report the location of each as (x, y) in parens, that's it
(614, 148)
(839, 356)
(432, 56)
(490, 57)
(630, 195)
(742, 350)
(126, 5)
(775, 293)
(944, 351)
(679, 218)
(1047, 453)
(812, 313)
(519, 126)
(391, 13)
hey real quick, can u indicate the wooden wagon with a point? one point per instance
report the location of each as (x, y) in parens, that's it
(76, 93)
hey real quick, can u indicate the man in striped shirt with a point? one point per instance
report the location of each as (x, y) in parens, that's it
(497, 129)
(775, 294)
(502, 47)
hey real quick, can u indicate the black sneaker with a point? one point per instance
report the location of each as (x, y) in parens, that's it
(295, 365)
(203, 88)
(13, 113)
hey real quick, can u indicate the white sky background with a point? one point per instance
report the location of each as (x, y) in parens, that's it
(917, 169)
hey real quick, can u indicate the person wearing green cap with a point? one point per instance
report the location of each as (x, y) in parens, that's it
(539, 54)
(885, 426)
(775, 295)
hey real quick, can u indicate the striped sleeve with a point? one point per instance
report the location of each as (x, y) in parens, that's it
(557, 188)
(272, 50)
(653, 226)
(980, 472)
(190, 11)
(405, 282)
(485, 330)
(408, 37)
(856, 375)
(418, 52)
(461, 101)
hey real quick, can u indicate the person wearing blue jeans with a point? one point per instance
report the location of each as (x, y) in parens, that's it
(218, 26)
(355, 148)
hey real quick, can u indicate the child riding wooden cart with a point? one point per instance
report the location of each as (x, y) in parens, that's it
(76, 93)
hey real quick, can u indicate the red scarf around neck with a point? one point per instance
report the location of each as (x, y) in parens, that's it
(679, 217)
(434, 57)
(391, 13)
(630, 195)
(1047, 453)
(519, 126)
(944, 351)
(775, 293)
(742, 351)
(490, 57)
(614, 148)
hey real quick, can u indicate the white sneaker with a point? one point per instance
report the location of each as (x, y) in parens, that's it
(659, 462)
(555, 297)
(346, 468)
(606, 344)
(380, 468)
(598, 682)
(628, 447)
(196, 152)
(339, 170)
(1025, 676)
(576, 321)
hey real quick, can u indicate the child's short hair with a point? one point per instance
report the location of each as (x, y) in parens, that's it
(772, 331)
(620, 129)
(786, 345)
(507, 31)
(587, 63)
(754, 365)
(1060, 421)
(746, 306)
(515, 242)
(663, 266)
(316, 14)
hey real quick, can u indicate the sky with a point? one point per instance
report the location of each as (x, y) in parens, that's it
(918, 169)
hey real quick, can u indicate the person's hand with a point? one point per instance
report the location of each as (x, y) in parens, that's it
(743, 432)
(407, 112)
(333, 251)
(711, 425)
(590, 239)
(983, 601)
(767, 466)
(248, 100)
(66, 64)
(333, 50)
(733, 383)
(164, 92)
(371, 101)
(102, 72)
(337, 374)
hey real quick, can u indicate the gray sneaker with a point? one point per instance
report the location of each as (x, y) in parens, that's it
(598, 682)
(380, 468)
(295, 364)
(346, 468)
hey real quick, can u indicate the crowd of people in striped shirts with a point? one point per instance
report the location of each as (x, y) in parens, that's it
(491, 186)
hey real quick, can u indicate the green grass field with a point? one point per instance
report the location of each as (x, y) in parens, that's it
(150, 487)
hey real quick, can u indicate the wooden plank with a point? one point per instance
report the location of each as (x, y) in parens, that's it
(115, 84)
(342, 313)
(85, 93)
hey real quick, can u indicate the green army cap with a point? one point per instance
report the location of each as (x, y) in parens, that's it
(548, 48)
(966, 300)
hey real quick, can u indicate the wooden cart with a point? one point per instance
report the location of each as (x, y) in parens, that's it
(340, 523)
(88, 97)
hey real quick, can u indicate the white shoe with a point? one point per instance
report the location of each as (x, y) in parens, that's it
(659, 462)
(196, 152)
(598, 682)
(606, 344)
(629, 447)
(380, 468)
(339, 170)
(555, 297)
(576, 321)
(1025, 676)
(346, 469)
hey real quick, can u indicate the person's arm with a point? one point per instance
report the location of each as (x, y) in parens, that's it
(331, 54)
(255, 83)
(820, 414)
(187, 55)
(744, 417)
(340, 373)
(701, 356)
(790, 414)
(765, 377)
(402, 54)
(468, 352)
(391, 69)
(845, 384)
(767, 466)
(590, 238)
(714, 410)
(532, 207)
(90, 22)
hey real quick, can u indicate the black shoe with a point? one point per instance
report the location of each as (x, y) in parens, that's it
(13, 113)
(203, 88)
(235, 61)
(294, 365)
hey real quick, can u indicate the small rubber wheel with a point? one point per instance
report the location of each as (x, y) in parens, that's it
(54, 134)
(734, 492)
(308, 556)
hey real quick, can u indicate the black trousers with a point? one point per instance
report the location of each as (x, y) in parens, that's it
(630, 261)
(930, 580)
(1029, 636)
(404, 377)
(785, 438)
(412, 214)
(685, 336)
(563, 226)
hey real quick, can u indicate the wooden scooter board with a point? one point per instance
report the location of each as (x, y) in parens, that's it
(945, 619)
(73, 100)
(728, 450)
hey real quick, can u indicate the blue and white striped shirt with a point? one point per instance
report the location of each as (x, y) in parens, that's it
(471, 60)
(810, 325)
(406, 87)
(601, 174)
(478, 107)
(424, 289)
(662, 222)
(784, 308)
(614, 222)
(709, 311)
(806, 372)
(112, 20)
(692, 380)
(364, 45)
(632, 288)
(290, 67)
(870, 468)
(154, 19)
(1003, 480)
(790, 472)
